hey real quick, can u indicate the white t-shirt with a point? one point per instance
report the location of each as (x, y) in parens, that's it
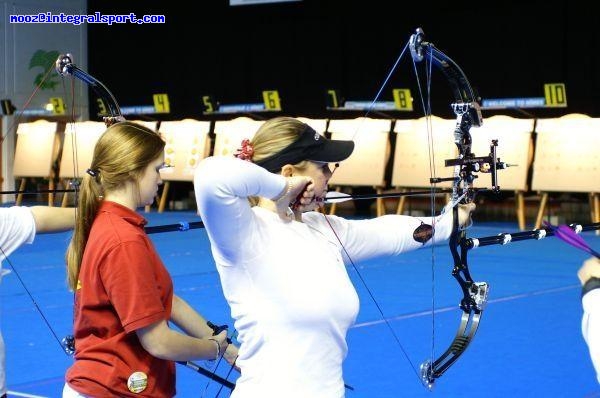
(286, 282)
(17, 226)
(590, 326)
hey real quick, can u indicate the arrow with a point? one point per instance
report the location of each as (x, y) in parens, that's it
(339, 197)
(568, 235)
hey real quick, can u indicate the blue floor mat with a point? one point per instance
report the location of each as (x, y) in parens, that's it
(529, 342)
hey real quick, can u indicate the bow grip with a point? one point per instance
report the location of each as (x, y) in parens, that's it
(218, 329)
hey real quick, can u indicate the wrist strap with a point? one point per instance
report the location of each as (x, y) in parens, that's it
(589, 285)
(218, 349)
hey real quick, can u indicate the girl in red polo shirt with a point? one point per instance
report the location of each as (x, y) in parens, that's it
(123, 292)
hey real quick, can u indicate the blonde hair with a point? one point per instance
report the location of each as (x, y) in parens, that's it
(121, 155)
(272, 137)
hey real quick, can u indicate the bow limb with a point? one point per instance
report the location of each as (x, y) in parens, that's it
(468, 114)
(65, 67)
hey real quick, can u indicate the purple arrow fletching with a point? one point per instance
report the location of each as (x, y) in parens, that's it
(567, 235)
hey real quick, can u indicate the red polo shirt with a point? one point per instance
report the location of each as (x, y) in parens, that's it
(123, 286)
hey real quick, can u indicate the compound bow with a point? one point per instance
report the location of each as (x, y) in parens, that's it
(468, 114)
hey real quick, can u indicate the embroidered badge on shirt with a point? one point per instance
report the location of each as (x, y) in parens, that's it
(423, 233)
(137, 382)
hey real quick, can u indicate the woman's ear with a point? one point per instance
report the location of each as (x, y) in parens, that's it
(287, 170)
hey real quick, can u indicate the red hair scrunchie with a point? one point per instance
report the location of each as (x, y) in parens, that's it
(246, 151)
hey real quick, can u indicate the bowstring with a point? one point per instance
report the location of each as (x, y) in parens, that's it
(12, 127)
(46, 321)
(74, 183)
(372, 296)
(381, 88)
(432, 175)
(427, 110)
(74, 148)
(20, 114)
(359, 274)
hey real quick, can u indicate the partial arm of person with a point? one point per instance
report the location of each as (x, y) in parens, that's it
(222, 186)
(163, 342)
(194, 324)
(188, 319)
(589, 269)
(589, 276)
(390, 235)
(18, 227)
(138, 289)
(53, 219)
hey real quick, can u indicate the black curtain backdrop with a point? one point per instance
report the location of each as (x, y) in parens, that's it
(506, 48)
